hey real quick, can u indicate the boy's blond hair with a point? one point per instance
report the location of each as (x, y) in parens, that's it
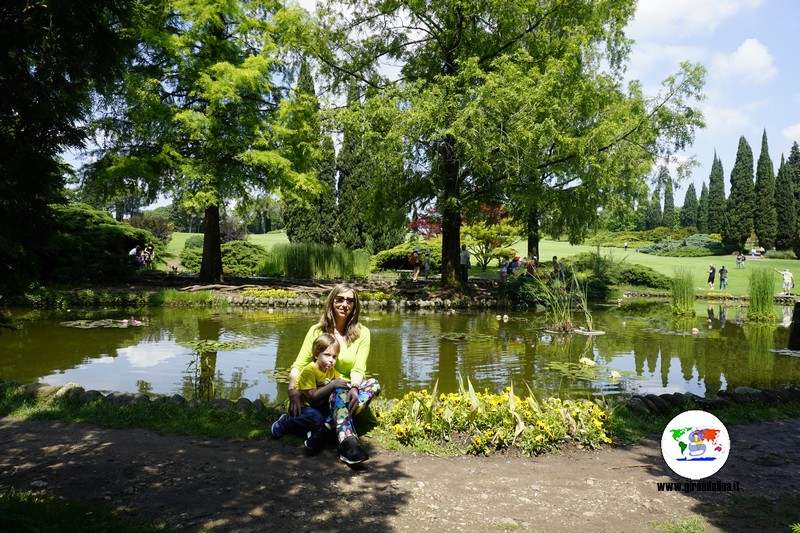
(322, 343)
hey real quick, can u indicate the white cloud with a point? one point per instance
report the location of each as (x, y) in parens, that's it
(792, 133)
(658, 19)
(751, 62)
(150, 354)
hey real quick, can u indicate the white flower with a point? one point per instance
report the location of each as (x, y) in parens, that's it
(586, 361)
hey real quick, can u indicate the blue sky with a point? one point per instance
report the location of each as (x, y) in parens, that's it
(750, 50)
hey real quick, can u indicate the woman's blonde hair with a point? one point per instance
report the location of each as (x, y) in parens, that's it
(327, 323)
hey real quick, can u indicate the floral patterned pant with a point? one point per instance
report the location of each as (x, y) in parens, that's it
(340, 415)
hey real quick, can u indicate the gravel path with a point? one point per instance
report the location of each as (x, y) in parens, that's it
(218, 485)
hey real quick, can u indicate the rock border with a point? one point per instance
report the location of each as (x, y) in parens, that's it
(661, 404)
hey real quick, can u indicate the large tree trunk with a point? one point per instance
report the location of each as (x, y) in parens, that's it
(532, 229)
(451, 217)
(211, 267)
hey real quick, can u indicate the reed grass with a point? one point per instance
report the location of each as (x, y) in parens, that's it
(558, 307)
(683, 293)
(762, 288)
(315, 261)
(176, 298)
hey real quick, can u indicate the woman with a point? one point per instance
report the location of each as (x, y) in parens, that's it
(340, 319)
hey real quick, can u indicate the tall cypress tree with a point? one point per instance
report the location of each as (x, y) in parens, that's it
(327, 213)
(351, 173)
(668, 218)
(765, 218)
(702, 210)
(793, 169)
(303, 210)
(689, 209)
(716, 197)
(741, 202)
(785, 207)
(654, 218)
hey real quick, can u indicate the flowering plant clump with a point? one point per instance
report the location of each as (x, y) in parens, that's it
(495, 421)
(366, 296)
(268, 293)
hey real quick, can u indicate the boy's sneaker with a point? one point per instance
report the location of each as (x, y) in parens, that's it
(318, 438)
(351, 452)
(278, 428)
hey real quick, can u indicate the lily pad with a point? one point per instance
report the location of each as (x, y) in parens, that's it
(104, 323)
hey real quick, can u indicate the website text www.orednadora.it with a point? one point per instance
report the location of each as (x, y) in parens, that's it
(698, 486)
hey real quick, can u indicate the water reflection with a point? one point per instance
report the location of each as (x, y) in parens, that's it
(644, 349)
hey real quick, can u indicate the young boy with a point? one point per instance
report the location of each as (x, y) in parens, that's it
(317, 381)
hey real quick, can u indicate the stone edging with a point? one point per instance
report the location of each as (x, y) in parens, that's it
(658, 404)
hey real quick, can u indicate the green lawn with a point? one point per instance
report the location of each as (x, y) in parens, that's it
(738, 281)
(267, 240)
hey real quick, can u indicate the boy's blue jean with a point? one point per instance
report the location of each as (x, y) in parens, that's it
(308, 419)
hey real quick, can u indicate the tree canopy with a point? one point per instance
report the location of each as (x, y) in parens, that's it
(204, 110)
(519, 102)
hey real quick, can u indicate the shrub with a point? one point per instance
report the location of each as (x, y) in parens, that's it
(643, 276)
(521, 292)
(397, 257)
(242, 258)
(780, 254)
(88, 245)
(239, 258)
(191, 258)
(697, 245)
(195, 241)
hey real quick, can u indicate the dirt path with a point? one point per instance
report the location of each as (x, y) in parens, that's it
(220, 485)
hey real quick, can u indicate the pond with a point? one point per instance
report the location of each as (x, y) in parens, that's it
(244, 352)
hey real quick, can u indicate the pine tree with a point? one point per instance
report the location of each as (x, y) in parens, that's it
(765, 218)
(716, 197)
(785, 207)
(689, 209)
(668, 218)
(741, 201)
(702, 210)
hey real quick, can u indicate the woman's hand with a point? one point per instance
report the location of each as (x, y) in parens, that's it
(352, 400)
(295, 402)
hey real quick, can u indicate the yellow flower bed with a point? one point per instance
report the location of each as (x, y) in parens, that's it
(495, 421)
(268, 293)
